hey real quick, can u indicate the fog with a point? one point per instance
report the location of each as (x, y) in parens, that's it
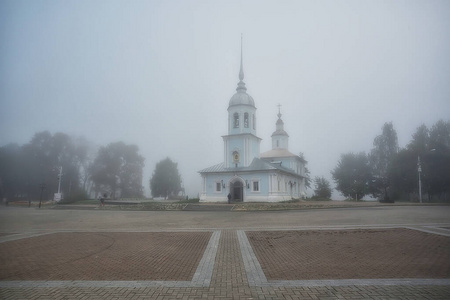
(159, 74)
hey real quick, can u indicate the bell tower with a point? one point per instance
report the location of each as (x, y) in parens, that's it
(241, 144)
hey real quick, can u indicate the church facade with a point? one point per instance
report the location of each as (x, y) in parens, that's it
(246, 175)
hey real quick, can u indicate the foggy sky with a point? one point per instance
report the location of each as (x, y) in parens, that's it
(159, 74)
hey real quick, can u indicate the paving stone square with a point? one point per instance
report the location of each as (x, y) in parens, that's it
(348, 254)
(104, 256)
(127, 246)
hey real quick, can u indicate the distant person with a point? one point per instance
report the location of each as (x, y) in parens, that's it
(102, 200)
(229, 198)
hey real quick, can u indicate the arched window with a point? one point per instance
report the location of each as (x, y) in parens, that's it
(246, 120)
(254, 122)
(236, 120)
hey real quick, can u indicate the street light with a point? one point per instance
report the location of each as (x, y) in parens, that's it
(59, 181)
(419, 170)
(57, 197)
(42, 187)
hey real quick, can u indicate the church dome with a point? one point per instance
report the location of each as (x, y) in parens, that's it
(279, 132)
(280, 127)
(242, 98)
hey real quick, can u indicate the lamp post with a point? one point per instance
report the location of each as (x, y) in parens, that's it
(59, 181)
(57, 197)
(42, 187)
(419, 170)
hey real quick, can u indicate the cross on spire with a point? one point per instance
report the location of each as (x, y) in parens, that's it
(241, 85)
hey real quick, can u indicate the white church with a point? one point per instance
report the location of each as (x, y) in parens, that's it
(246, 175)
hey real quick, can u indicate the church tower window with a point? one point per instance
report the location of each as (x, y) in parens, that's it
(254, 122)
(246, 120)
(236, 120)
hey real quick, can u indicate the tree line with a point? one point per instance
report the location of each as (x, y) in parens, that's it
(390, 173)
(115, 170)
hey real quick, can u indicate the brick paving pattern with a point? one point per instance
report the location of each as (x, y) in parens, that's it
(229, 282)
(220, 252)
(346, 254)
(104, 256)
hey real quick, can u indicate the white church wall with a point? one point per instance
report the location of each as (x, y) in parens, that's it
(210, 193)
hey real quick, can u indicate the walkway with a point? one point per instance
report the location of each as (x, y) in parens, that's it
(233, 262)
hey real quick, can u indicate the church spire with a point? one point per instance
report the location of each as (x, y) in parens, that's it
(241, 71)
(241, 85)
(280, 138)
(280, 123)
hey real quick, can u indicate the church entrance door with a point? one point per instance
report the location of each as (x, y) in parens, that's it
(237, 191)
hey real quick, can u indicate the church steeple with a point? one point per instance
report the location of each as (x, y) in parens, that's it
(280, 123)
(241, 143)
(241, 85)
(241, 97)
(280, 138)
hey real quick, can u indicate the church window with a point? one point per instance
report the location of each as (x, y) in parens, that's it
(236, 120)
(246, 120)
(218, 187)
(256, 186)
(254, 122)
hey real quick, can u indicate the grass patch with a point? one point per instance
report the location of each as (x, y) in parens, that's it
(318, 199)
(193, 200)
(81, 202)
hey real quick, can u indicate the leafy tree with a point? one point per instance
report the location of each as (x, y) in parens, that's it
(420, 140)
(436, 162)
(117, 169)
(166, 181)
(45, 155)
(12, 171)
(84, 156)
(381, 157)
(440, 136)
(352, 175)
(24, 168)
(322, 188)
(433, 148)
(403, 174)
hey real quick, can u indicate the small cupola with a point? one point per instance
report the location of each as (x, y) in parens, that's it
(280, 138)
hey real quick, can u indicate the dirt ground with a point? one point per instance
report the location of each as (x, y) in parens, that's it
(4, 234)
(348, 254)
(104, 256)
